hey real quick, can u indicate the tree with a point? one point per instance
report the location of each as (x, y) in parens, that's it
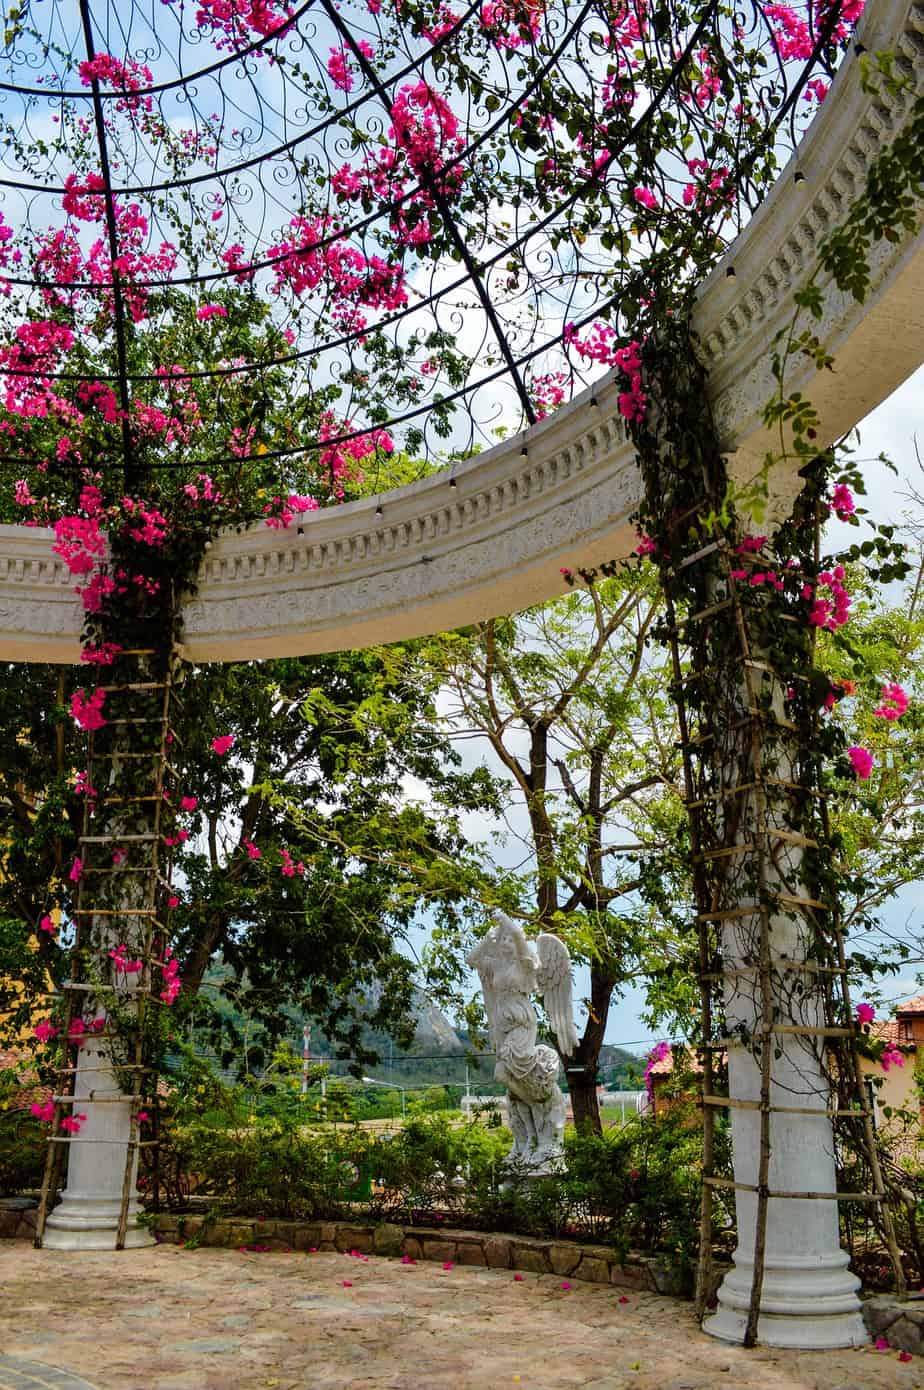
(322, 748)
(576, 709)
(874, 666)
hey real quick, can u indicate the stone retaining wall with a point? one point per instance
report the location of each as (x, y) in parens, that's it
(900, 1324)
(597, 1264)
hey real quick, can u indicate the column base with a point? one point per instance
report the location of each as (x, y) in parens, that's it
(87, 1223)
(810, 1304)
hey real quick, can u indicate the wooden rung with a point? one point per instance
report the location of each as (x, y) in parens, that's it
(728, 914)
(139, 719)
(695, 742)
(91, 1100)
(129, 800)
(701, 554)
(117, 839)
(808, 967)
(804, 1030)
(795, 901)
(133, 685)
(123, 1066)
(707, 612)
(768, 714)
(696, 508)
(724, 795)
(79, 987)
(724, 853)
(792, 837)
(144, 869)
(115, 912)
(76, 1139)
(108, 757)
(799, 1030)
(797, 1196)
(733, 1103)
(793, 786)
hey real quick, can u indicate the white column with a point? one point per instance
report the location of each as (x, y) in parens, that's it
(808, 1297)
(88, 1215)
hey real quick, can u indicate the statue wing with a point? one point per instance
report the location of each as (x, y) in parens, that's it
(553, 982)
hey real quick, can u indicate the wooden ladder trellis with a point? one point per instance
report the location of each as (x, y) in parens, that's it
(142, 891)
(716, 843)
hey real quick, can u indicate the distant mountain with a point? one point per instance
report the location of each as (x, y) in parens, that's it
(439, 1054)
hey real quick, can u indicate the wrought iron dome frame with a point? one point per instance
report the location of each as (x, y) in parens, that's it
(558, 192)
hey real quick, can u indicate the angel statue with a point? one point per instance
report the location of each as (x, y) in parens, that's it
(510, 972)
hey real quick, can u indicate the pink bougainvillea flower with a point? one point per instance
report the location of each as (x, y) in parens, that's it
(97, 1024)
(119, 856)
(173, 900)
(211, 311)
(88, 709)
(43, 1110)
(447, 1264)
(188, 803)
(222, 744)
(46, 924)
(882, 1344)
(142, 1117)
(71, 1123)
(891, 1057)
(865, 1013)
(894, 702)
(408, 1260)
(645, 198)
(45, 1030)
(76, 870)
(842, 502)
(861, 760)
(646, 546)
(565, 1284)
(905, 1356)
(518, 1278)
(252, 851)
(289, 868)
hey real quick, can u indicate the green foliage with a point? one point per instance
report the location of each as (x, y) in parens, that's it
(23, 1145)
(636, 1186)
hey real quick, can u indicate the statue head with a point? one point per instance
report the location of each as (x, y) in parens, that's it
(504, 955)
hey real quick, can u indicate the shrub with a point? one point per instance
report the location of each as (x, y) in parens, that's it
(636, 1186)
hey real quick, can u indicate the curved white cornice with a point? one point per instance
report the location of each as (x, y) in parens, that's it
(560, 494)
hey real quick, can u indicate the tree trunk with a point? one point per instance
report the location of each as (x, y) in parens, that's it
(583, 1089)
(581, 1067)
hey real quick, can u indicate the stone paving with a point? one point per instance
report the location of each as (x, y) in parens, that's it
(209, 1319)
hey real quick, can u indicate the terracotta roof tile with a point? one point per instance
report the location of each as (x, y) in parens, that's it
(911, 1006)
(666, 1065)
